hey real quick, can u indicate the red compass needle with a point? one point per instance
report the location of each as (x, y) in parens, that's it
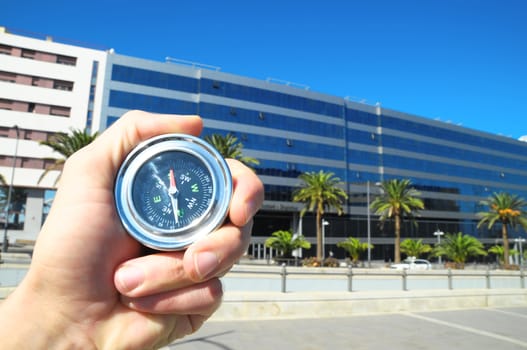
(173, 192)
(172, 180)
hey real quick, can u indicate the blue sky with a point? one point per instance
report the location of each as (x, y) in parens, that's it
(463, 61)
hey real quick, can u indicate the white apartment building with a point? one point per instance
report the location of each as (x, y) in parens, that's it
(46, 87)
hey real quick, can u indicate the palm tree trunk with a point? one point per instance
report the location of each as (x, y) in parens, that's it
(397, 248)
(319, 235)
(505, 237)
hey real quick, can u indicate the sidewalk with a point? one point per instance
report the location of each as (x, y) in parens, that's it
(467, 329)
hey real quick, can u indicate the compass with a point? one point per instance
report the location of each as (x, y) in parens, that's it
(172, 190)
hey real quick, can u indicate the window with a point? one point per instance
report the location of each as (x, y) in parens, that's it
(28, 54)
(27, 134)
(4, 132)
(67, 60)
(149, 103)
(5, 50)
(32, 163)
(7, 77)
(60, 111)
(154, 79)
(50, 163)
(6, 104)
(110, 120)
(31, 107)
(270, 97)
(37, 55)
(92, 92)
(63, 85)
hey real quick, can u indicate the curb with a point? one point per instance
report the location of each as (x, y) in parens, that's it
(238, 306)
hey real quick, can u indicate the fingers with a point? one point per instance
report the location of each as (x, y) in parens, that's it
(198, 299)
(248, 193)
(151, 274)
(220, 250)
(164, 272)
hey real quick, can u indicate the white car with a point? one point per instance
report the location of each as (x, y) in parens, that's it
(413, 264)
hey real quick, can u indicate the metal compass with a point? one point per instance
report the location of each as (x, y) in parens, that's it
(172, 190)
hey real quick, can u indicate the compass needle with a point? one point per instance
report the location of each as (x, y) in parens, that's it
(173, 192)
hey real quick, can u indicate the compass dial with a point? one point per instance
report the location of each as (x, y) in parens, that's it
(172, 190)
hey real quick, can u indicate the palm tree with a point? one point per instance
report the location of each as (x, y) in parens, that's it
(320, 191)
(230, 147)
(354, 247)
(66, 145)
(459, 247)
(415, 248)
(499, 252)
(397, 199)
(284, 242)
(506, 209)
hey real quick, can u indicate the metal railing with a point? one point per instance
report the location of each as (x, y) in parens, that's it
(448, 277)
(195, 65)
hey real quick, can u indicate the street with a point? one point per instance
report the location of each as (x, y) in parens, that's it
(489, 328)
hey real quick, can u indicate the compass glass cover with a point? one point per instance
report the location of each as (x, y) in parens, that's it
(173, 190)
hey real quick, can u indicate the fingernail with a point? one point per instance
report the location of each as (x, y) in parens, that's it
(129, 278)
(206, 263)
(250, 210)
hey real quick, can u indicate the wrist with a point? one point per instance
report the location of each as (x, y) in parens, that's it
(27, 323)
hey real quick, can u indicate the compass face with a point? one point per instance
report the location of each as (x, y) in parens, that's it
(172, 190)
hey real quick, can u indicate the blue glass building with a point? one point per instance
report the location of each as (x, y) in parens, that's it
(292, 130)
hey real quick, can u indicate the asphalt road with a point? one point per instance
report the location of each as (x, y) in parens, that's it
(480, 329)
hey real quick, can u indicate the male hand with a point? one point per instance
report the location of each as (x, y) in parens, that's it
(89, 285)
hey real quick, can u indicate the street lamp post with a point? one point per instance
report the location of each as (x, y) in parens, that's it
(368, 214)
(438, 234)
(324, 224)
(8, 202)
(297, 253)
(519, 242)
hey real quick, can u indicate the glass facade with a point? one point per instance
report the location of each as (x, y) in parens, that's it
(145, 77)
(269, 97)
(292, 131)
